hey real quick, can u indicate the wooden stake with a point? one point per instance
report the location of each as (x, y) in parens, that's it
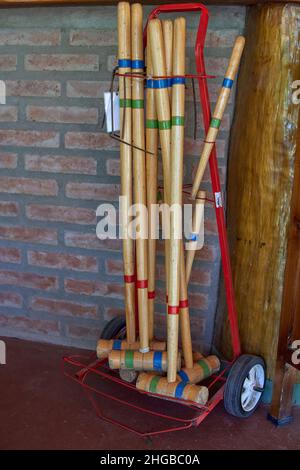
(178, 96)
(198, 214)
(139, 169)
(219, 111)
(151, 166)
(124, 53)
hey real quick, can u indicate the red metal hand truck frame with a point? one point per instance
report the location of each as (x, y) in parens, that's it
(183, 414)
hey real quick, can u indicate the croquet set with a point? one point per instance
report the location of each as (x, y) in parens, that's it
(132, 368)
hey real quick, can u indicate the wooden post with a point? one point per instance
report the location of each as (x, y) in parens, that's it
(261, 174)
(151, 165)
(124, 53)
(198, 215)
(285, 374)
(218, 112)
(139, 169)
(177, 141)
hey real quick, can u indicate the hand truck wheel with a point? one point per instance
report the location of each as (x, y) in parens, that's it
(116, 329)
(245, 385)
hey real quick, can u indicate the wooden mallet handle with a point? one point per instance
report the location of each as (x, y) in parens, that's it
(218, 112)
(177, 142)
(124, 56)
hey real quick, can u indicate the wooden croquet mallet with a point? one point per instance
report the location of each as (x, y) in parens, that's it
(151, 169)
(159, 385)
(139, 170)
(177, 142)
(124, 53)
(215, 123)
(162, 101)
(135, 360)
(105, 346)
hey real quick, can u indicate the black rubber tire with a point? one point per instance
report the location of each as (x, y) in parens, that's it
(234, 384)
(114, 328)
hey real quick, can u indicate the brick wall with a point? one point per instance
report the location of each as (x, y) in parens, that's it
(58, 282)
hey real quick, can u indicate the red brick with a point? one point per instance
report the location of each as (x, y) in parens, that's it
(8, 63)
(8, 160)
(95, 288)
(8, 113)
(111, 312)
(61, 164)
(36, 187)
(62, 261)
(10, 299)
(62, 62)
(85, 332)
(96, 37)
(29, 234)
(200, 277)
(26, 37)
(90, 140)
(113, 167)
(213, 90)
(44, 88)
(114, 266)
(9, 209)
(210, 227)
(194, 147)
(86, 89)
(29, 280)
(216, 66)
(217, 38)
(21, 138)
(62, 114)
(112, 62)
(90, 241)
(64, 307)
(207, 253)
(95, 191)
(10, 255)
(71, 215)
(30, 325)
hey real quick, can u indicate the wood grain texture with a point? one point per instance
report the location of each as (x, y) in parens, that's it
(261, 172)
(124, 52)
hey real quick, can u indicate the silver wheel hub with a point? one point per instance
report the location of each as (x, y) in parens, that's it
(252, 386)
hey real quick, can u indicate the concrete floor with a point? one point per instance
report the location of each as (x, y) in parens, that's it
(41, 409)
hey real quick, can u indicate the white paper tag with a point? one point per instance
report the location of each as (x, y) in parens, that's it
(115, 101)
(218, 200)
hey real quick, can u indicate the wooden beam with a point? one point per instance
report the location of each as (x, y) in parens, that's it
(25, 3)
(285, 374)
(262, 160)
